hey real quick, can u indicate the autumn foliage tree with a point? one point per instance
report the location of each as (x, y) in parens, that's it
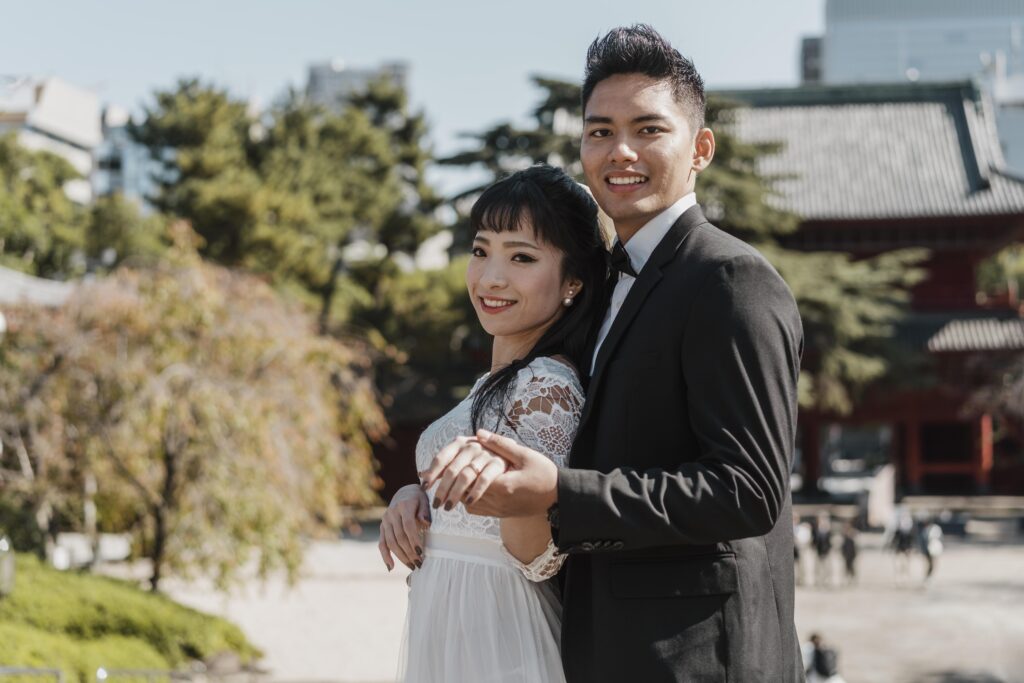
(220, 426)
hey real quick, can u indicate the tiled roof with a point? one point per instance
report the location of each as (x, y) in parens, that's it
(875, 152)
(19, 288)
(987, 334)
(967, 331)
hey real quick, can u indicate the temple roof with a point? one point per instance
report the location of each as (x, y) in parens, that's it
(964, 331)
(861, 152)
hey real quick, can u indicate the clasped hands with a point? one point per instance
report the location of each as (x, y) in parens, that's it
(491, 475)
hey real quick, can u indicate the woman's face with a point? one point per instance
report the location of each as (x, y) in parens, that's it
(515, 283)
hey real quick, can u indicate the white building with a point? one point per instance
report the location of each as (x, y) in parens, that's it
(891, 41)
(123, 166)
(53, 115)
(331, 83)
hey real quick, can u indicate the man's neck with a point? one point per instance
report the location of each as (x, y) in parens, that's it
(625, 230)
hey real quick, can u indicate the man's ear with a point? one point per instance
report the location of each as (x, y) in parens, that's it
(703, 149)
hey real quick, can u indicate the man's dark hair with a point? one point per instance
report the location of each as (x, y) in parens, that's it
(639, 49)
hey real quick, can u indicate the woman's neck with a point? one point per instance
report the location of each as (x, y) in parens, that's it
(506, 350)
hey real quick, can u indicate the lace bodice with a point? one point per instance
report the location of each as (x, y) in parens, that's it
(543, 414)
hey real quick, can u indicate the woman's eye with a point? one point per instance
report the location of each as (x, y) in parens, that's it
(523, 258)
(477, 251)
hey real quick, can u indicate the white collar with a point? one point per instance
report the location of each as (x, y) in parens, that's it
(642, 244)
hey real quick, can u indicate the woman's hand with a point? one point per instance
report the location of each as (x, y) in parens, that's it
(463, 470)
(402, 527)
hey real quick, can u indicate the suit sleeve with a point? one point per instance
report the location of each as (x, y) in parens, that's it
(741, 360)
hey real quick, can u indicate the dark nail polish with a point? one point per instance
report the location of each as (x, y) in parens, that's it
(411, 567)
(469, 501)
(449, 505)
(390, 568)
(419, 563)
(419, 551)
(437, 503)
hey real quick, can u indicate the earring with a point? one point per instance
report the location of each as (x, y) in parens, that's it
(567, 301)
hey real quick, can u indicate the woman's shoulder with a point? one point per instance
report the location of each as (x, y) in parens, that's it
(548, 371)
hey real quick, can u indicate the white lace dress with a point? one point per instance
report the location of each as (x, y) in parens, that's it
(476, 614)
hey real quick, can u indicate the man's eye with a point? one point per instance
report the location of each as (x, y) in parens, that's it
(523, 258)
(600, 133)
(477, 251)
(650, 130)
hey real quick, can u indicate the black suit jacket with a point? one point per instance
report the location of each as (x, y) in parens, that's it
(675, 508)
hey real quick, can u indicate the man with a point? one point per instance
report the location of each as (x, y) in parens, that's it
(675, 509)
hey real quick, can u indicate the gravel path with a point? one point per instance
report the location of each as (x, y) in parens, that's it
(343, 621)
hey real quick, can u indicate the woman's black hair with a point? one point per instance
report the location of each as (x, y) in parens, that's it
(564, 215)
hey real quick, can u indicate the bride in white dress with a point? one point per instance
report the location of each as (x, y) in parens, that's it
(481, 605)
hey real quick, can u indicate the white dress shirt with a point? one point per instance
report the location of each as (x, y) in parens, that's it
(639, 248)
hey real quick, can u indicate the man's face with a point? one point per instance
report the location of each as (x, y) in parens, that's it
(637, 149)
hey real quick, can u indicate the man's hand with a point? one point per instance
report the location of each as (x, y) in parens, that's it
(529, 488)
(402, 527)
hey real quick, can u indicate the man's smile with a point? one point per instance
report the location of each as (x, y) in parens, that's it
(625, 182)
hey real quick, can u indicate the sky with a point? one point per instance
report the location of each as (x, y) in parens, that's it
(470, 60)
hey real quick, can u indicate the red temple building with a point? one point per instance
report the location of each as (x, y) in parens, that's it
(871, 169)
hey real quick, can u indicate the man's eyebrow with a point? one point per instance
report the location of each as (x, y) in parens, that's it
(643, 118)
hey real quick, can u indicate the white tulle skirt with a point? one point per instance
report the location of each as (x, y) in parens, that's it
(475, 618)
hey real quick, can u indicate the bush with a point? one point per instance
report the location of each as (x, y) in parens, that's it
(78, 622)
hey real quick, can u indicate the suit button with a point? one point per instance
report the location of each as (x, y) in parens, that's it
(618, 545)
(586, 546)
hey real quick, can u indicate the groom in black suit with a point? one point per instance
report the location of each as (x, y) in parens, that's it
(675, 509)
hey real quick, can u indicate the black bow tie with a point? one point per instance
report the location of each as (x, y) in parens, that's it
(620, 260)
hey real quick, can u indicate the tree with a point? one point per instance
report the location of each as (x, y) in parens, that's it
(220, 425)
(41, 230)
(200, 138)
(117, 232)
(848, 306)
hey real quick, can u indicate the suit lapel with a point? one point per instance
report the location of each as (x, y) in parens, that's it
(646, 281)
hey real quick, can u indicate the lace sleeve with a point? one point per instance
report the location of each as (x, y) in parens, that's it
(544, 416)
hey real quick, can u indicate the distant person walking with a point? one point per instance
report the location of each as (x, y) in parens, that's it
(929, 537)
(821, 662)
(899, 538)
(822, 548)
(849, 550)
(802, 539)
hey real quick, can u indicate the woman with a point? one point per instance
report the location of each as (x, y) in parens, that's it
(480, 608)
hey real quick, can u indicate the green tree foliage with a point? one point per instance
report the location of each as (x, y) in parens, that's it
(117, 232)
(220, 425)
(848, 306)
(323, 200)
(1003, 273)
(41, 230)
(201, 138)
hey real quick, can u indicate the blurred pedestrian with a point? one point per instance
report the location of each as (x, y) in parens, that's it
(899, 538)
(821, 663)
(849, 550)
(822, 548)
(802, 536)
(929, 537)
